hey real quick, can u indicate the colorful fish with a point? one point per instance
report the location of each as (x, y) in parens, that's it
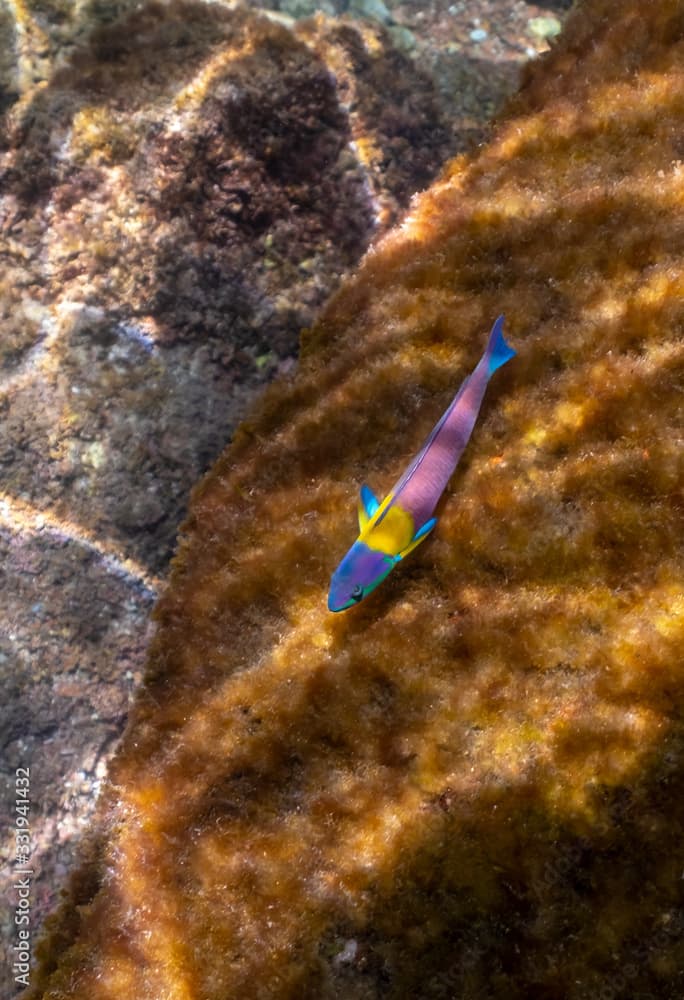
(393, 528)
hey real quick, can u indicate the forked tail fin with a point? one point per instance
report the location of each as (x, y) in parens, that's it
(498, 351)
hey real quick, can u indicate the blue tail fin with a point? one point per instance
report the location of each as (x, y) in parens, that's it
(498, 352)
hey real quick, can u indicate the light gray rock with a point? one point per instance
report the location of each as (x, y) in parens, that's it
(374, 10)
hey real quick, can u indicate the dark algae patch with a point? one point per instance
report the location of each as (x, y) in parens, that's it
(472, 785)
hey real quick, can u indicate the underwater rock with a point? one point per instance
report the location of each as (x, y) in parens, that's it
(305, 8)
(473, 784)
(179, 193)
(373, 9)
(172, 224)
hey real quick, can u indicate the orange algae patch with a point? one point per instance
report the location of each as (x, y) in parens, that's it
(472, 785)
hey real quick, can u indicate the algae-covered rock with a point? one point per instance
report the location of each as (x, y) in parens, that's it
(181, 187)
(472, 785)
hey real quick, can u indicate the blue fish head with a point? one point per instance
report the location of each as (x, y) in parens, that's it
(360, 572)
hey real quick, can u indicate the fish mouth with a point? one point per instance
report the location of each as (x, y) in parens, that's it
(334, 605)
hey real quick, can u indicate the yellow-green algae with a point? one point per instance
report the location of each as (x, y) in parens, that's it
(472, 785)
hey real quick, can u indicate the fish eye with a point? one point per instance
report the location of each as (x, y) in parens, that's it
(357, 592)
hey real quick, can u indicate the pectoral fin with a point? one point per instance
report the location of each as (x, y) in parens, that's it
(419, 536)
(368, 505)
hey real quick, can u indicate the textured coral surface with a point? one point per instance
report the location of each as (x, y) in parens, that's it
(472, 785)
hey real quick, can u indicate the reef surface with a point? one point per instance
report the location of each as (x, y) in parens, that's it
(179, 192)
(473, 784)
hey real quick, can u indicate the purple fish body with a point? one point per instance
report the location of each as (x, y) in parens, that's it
(393, 528)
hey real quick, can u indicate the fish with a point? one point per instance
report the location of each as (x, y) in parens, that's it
(391, 529)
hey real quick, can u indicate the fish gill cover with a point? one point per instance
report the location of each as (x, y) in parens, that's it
(472, 785)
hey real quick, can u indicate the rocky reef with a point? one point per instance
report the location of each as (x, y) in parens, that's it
(472, 785)
(179, 194)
